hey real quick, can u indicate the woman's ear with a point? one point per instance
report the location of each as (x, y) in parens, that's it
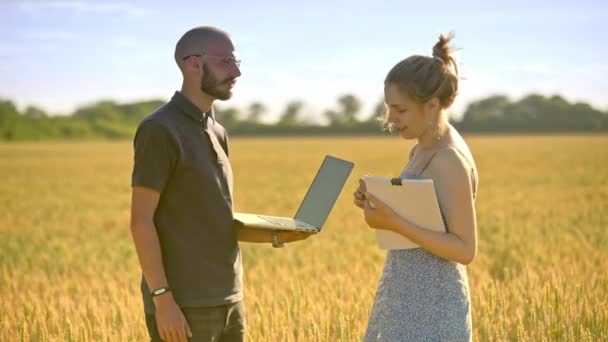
(432, 108)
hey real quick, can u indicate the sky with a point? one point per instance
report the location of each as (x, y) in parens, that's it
(60, 55)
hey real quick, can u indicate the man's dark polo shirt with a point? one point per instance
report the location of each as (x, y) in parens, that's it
(183, 154)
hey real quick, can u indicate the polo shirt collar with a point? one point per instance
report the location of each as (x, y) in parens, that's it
(189, 109)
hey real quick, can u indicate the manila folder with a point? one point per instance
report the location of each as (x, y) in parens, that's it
(412, 199)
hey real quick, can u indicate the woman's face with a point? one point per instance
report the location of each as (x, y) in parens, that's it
(406, 115)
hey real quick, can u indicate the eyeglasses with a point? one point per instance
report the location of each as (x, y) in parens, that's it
(225, 60)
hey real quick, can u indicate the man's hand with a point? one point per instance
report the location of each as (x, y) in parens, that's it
(170, 320)
(291, 236)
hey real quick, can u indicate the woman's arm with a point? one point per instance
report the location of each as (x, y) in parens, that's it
(452, 178)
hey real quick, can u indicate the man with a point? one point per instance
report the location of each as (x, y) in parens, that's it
(181, 212)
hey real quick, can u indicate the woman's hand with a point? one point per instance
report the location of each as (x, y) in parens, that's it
(377, 214)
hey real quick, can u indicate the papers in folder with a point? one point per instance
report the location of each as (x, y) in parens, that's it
(412, 199)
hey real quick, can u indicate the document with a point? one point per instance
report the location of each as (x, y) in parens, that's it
(412, 199)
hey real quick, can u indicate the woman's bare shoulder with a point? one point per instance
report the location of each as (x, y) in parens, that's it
(449, 162)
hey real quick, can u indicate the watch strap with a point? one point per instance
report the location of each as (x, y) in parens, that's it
(276, 242)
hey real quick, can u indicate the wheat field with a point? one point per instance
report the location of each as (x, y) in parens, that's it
(69, 272)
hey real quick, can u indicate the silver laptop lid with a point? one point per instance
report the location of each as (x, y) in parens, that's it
(324, 191)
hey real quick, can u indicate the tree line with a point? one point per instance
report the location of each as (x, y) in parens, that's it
(111, 120)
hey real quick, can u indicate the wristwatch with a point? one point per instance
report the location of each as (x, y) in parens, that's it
(160, 291)
(276, 242)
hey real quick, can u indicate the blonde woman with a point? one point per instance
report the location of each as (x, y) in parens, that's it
(423, 293)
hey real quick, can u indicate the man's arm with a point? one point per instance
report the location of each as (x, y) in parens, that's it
(171, 323)
(143, 205)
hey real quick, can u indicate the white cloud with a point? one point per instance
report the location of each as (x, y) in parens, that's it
(85, 7)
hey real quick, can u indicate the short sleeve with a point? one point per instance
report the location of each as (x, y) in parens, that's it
(154, 156)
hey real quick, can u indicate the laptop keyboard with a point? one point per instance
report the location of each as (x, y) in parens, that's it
(285, 222)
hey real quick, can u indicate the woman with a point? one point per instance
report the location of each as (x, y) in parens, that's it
(423, 293)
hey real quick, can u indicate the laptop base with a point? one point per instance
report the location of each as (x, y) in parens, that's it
(264, 222)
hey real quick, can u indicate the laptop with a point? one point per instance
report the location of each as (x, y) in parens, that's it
(318, 202)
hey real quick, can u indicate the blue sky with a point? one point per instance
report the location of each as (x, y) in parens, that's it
(59, 55)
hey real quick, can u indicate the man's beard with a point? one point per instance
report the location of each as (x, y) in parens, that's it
(210, 85)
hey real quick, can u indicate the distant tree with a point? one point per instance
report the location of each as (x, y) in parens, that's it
(532, 113)
(135, 112)
(347, 115)
(8, 111)
(291, 114)
(228, 117)
(9, 116)
(350, 108)
(378, 113)
(35, 113)
(485, 114)
(256, 111)
(332, 117)
(102, 111)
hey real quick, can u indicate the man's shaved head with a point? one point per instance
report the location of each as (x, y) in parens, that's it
(197, 39)
(212, 68)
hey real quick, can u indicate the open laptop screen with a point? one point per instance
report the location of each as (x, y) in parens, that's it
(324, 191)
